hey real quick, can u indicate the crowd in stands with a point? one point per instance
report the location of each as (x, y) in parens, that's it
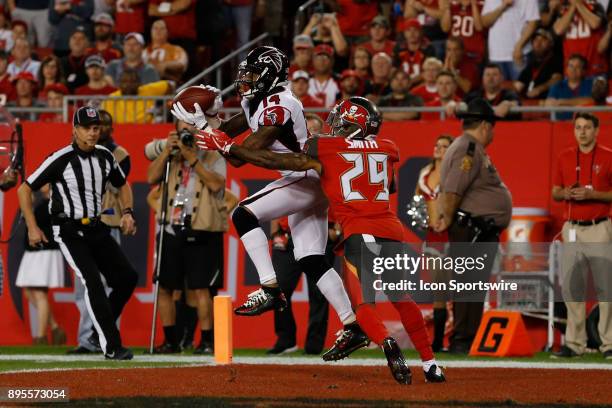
(398, 53)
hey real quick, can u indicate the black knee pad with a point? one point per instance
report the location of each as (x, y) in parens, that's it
(244, 221)
(314, 266)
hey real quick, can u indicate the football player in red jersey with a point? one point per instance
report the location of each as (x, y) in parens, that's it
(356, 172)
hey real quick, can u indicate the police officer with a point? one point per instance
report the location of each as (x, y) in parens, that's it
(475, 206)
(78, 174)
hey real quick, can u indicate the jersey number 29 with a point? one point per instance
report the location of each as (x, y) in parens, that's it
(377, 174)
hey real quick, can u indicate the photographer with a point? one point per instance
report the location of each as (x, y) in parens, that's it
(192, 253)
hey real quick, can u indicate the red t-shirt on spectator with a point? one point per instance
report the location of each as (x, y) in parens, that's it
(181, 25)
(469, 70)
(580, 39)
(426, 94)
(309, 101)
(436, 115)
(595, 170)
(130, 18)
(462, 26)
(354, 19)
(295, 67)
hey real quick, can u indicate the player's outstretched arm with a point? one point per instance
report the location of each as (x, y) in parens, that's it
(276, 161)
(235, 126)
(262, 138)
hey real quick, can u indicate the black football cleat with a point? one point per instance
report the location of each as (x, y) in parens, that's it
(204, 348)
(434, 375)
(396, 361)
(261, 301)
(351, 338)
(120, 353)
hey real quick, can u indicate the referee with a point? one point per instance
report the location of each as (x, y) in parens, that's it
(78, 175)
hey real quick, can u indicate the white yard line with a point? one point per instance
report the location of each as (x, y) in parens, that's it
(207, 360)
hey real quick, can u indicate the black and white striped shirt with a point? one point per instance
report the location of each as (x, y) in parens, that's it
(78, 180)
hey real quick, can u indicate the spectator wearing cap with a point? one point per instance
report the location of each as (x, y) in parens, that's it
(464, 69)
(181, 22)
(361, 62)
(544, 67)
(302, 54)
(7, 91)
(354, 17)
(25, 94)
(133, 45)
(463, 19)
(379, 37)
(412, 50)
(299, 87)
(428, 90)
(574, 90)
(324, 29)
(170, 61)
(6, 34)
(500, 98)
(54, 95)
(322, 85)
(429, 14)
(511, 24)
(66, 16)
(73, 64)
(97, 83)
(400, 97)
(130, 16)
(22, 59)
(446, 84)
(19, 29)
(351, 84)
(140, 110)
(381, 74)
(50, 72)
(582, 25)
(103, 38)
(34, 13)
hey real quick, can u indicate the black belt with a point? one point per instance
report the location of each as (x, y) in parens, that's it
(60, 219)
(479, 225)
(584, 223)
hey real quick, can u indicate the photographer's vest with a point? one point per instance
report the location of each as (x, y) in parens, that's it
(209, 212)
(111, 198)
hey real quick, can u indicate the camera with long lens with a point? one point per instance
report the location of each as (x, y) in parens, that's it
(186, 138)
(155, 147)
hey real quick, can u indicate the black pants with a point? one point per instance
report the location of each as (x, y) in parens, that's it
(467, 312)
(284, 322)
(91, 251)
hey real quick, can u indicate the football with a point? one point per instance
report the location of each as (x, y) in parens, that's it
(195, 94)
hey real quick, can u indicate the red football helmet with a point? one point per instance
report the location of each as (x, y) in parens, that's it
(355, 118)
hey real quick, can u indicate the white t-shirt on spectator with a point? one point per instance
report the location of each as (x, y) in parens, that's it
(325, 91)
(6, 40)
(31, 66)
(507, 30)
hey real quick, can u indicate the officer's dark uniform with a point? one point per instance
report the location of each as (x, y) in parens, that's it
(78, 183)
(484, 211)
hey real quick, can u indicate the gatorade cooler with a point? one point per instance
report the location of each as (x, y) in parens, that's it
(525, 239)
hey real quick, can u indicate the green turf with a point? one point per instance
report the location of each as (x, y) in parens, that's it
(369, 353)
(47, 365)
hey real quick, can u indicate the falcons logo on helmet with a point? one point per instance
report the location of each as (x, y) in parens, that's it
(271, 57)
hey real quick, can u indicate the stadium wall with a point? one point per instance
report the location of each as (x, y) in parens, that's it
(523, 153)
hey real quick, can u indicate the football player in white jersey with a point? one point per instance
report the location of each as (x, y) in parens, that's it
(277, 122)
